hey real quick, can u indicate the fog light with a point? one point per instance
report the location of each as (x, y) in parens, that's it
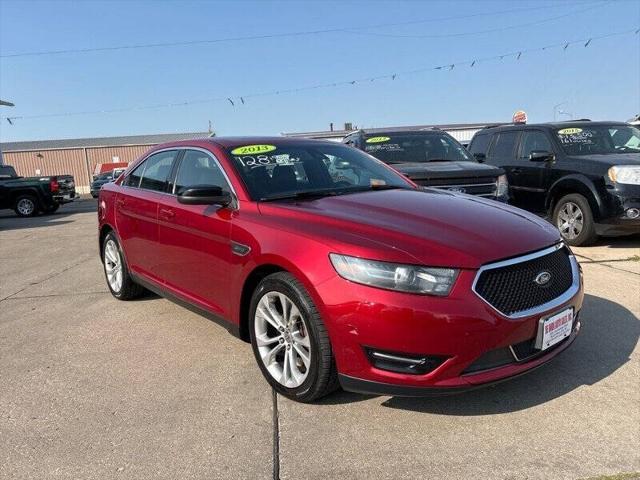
(632, 213)
(404, 363)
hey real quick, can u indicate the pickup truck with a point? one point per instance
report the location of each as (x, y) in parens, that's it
(28, 196)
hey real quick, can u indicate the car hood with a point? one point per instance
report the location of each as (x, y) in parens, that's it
(99, 183)
(429, 227)
(449, 169)
(610, 158)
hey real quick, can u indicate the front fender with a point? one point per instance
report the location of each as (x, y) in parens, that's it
(576, 183)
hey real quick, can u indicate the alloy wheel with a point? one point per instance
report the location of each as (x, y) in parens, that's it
(570, 220)
(282, 339)
(113, 265)
(26, 206)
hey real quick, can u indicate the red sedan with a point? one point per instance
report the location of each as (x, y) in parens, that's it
(339, 270)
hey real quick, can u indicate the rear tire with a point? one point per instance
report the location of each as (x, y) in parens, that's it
(51, 208)
(116, 271)
(573, 217)
(291, 338)
(26, 206)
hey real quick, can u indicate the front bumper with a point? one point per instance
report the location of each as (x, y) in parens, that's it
(619, 202)
(460, 328)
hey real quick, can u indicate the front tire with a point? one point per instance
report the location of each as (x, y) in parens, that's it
(116, 272)
(289, 340)
(572, 216)
(26, 206)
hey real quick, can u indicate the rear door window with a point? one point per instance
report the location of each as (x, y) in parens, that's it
(480, 144)
(157, 170)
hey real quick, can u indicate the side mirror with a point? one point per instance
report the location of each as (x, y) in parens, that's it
(540, 156)
(480, 157)
(204, 195)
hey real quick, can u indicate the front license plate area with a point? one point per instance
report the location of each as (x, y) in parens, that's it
(554, 329)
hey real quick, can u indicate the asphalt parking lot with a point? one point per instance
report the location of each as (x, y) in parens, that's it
(91, 387)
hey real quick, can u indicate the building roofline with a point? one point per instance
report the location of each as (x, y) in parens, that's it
(98, 142)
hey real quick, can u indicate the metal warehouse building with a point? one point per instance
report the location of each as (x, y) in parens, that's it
(463, 132)
(79, 157)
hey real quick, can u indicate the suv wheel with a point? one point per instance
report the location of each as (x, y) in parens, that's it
(119, 280)
(289, 340)
(572, 215)
(26, 206)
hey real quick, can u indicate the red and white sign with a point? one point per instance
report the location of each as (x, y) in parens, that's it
(520, 117)
(554, 329)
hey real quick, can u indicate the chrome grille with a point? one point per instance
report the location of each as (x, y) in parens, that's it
(511, 288)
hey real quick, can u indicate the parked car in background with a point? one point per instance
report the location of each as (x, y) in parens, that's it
(585, 175)
(28, 196)
(103, 178)
(365, 281)
(432, 158)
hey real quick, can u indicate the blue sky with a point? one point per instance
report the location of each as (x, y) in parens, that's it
(601, 81)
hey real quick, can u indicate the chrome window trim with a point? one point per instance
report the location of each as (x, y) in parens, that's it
(127, 173)
(556, 302)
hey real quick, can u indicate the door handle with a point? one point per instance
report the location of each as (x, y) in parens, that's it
(167, 213)
(120, 202)
(516, 171)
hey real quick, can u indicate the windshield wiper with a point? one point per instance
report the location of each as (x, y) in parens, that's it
(369, 188)
(301, 195)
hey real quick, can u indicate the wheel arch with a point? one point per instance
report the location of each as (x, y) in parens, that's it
(574, 184)
(270, 264)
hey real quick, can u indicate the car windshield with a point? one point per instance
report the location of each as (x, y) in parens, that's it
(406, 148)
(292, 170)
(104, 176)
(599, 139)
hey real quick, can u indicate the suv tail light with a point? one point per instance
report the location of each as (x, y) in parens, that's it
(54, 185)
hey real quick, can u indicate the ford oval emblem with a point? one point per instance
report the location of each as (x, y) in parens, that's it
(542, 278)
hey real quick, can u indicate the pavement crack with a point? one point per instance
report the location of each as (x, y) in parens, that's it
(276, 435)
(49, 277)
(53, 295)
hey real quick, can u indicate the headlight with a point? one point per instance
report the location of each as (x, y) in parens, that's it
(502, 187)
(394, 276)
(625, 174)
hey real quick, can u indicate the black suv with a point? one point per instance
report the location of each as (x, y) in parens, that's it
(585, 175)
(432, 158)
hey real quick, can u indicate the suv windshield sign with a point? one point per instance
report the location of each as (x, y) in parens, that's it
(416, 148)
(377, 139)
(599, 139)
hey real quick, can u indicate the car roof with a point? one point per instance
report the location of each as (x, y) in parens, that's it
(228, 142)
(395, 131)
(554, 125)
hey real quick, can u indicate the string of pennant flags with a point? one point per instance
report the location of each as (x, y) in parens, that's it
(239, 100)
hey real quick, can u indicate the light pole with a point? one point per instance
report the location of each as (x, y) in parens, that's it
(568, 114)
(4, 104)
(555, 110)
